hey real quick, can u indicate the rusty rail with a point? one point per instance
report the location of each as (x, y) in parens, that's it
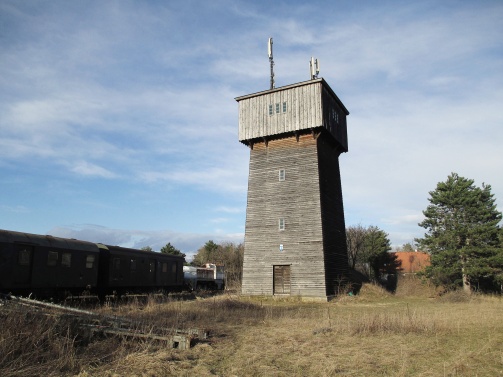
(93, 324)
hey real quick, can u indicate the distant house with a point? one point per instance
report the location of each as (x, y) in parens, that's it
(413, 261)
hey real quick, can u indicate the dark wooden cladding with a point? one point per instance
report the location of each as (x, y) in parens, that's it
(332, 213)
(334, 118)
(309, 256)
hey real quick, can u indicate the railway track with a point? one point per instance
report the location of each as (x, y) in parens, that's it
(87, 324)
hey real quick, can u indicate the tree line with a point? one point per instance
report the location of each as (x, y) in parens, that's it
(369, 253)
(463, 238)
(228, 254)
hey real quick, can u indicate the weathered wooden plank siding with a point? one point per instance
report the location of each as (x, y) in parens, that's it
(310, 104)
(305, 141)
(297, 201)
(303, 110)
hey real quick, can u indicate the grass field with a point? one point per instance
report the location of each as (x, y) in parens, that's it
(412, 333)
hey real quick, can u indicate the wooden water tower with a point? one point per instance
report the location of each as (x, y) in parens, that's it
(295, 240)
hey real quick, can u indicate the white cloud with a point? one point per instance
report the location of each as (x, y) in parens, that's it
(219, 220)
(89, 169)
(211, 178)
(188, 243)
(144, 94)
(14, 209)
(226, 209)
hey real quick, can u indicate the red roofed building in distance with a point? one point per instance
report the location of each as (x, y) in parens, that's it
(413, 261)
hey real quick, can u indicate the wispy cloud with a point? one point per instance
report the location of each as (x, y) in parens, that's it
(14, 209)
(88, 169)
(136, 100)
(229, 209)
(219, 220)
(188, 243)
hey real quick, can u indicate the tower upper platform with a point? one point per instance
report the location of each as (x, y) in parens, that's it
(292, 110)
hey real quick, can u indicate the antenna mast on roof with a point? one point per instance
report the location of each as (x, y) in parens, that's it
(314, 68)
(271, 61)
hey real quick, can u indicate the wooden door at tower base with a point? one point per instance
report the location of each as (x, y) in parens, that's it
(281, 280)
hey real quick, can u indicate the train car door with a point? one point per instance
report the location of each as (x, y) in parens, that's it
(52, 274)
(24, 265)
(174, 272)
(116, 269)
(152, 272)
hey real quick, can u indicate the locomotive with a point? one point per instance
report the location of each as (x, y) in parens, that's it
(47, 266)
(210, 276)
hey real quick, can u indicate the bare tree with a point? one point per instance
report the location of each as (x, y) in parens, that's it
(409, 246)
(368, 251)
(355, 236)
(227, 254)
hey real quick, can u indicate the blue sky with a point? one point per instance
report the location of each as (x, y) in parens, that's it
(118, 122)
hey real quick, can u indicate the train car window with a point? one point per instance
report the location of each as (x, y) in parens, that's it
(90, 261)
(52, 258)
(164, 267)
(117, 263)
(24, 257)
(133, 264)
(174, 268)
(66, 260)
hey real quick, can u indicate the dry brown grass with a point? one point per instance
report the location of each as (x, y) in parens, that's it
(372, 334)
(413, 286)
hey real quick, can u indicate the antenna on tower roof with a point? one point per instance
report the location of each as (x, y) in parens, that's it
(314, 68)
(271, 61)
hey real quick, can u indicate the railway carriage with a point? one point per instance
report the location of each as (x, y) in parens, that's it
(129, 270)
(46, 265)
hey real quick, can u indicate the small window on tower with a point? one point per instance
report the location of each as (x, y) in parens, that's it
(281, 223)
(284, 107)
(335, 116)
(270, 109)
(277, 108)
(281, 174)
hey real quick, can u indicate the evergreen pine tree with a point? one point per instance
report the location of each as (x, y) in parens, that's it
(463, 235)
(170, 249)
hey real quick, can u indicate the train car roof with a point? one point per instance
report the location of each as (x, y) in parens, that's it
(10, 236)
(136, 251)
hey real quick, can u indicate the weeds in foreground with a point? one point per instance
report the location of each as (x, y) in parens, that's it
(394, 323)
(34, 344)
(374, 333)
